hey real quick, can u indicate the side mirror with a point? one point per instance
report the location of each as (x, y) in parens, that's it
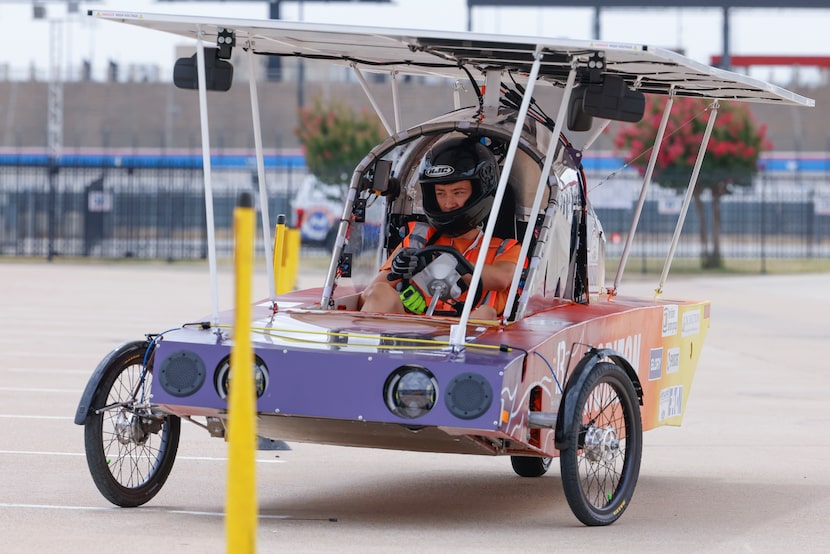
(218, 73)
(578, 120)
(610, 99)
(382, 175)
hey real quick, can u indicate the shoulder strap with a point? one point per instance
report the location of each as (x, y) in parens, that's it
(421, 235)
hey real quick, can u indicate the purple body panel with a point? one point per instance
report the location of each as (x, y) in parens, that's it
(329, 367)
(333, 382)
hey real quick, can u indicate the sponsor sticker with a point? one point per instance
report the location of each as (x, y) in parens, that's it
(691, 323)
(670, 320)
(655, 364)
(671, 402)
(672, 360)
(439, 171)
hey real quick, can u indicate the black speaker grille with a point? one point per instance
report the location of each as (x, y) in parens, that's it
(469, 396)
(182, 373)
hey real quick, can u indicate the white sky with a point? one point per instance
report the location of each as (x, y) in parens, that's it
(24, 42)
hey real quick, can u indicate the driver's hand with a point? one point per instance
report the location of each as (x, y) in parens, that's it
(463, 269)
(406, 264)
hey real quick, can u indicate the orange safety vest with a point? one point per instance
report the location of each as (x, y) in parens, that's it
(419, 236)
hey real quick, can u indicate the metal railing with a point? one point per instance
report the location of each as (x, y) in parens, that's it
(159, 213)
(123, 212)
(774, 219)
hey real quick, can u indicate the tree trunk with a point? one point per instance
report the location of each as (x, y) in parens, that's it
(715, 261)
(701, 223)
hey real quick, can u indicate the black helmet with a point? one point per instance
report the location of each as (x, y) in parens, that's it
(454, 160)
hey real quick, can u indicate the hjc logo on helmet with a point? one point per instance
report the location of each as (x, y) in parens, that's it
(439, 171)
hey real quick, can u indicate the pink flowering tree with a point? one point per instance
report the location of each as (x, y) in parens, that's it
(731, 158)
(335, 138)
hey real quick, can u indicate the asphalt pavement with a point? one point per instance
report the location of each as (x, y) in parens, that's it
(747, 471)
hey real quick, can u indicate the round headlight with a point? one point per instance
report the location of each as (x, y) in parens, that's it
(223, 375)
(410, 391)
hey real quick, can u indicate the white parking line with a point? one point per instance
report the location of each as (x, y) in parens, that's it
(46, 354)
(41, 453)
(35, 389)
(132, 511)
(21, 416)
(48, 371)
(189, 458)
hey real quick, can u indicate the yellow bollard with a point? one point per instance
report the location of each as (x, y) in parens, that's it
(241, 502)
(291, 259)
(279, 251)
(286, 256)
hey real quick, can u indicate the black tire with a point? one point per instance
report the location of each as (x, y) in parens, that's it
(601, 467)
(530, 466)
(129, 450)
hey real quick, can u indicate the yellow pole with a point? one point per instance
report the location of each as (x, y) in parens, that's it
(290, 260)
(286, 256)
(241, 502)
(279, 249)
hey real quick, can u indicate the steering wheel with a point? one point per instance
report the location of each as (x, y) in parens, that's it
(429, 253)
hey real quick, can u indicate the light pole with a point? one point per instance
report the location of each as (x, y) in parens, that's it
(54, 124)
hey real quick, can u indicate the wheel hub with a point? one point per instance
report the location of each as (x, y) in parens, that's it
(129, 428)
(601, 444)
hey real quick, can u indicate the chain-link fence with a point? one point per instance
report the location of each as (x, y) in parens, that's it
(120, 211)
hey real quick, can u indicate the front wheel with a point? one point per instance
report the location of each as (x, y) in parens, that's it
(130, 449)
(601, 467)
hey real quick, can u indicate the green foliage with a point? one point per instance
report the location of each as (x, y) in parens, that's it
(335, 139)
(732, 154)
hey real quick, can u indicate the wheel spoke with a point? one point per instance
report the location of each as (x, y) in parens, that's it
(600, 471)
(130, 450)
(132, 464)
(601, 462)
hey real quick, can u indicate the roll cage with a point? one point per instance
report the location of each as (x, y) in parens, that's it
(391, 169)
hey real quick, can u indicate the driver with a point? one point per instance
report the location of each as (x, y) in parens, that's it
(458, 179)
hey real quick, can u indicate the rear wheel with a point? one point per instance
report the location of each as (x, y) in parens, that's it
(601, 466)
(130, 449)
(530, 466)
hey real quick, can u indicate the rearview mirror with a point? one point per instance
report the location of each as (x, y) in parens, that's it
(610, 99)
(218, 73)
(578, 120)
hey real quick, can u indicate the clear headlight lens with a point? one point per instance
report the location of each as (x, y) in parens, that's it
(222, 377)
(410, 391)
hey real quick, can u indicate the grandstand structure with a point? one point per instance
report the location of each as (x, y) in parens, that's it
(140, 115)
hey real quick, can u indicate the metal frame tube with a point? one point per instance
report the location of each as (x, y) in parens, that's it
(687, 199)
(540, 190)
(396, 105)
(457, 87)
(655, 151)
(458, 332)
(595, 135)
(260, 171)
(211, 225)
(365, 86)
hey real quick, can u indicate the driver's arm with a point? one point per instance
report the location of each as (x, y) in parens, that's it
(381, 276)
(498, 275)
(495, 276)
(381, 294)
